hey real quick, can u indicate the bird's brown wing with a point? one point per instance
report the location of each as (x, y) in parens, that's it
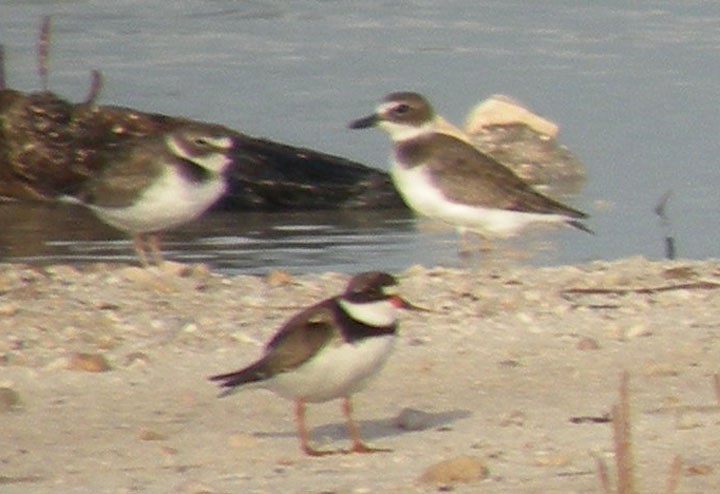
(468, 176)
(301, 338)
(124, 176)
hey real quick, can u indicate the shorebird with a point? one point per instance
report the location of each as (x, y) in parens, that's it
(329, 350)
(160, 182)
(444, 177)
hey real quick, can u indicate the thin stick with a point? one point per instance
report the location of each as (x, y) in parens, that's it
(623, 440)
(716, 387)
(43, 51)
(673, 476)
(603, 475)
(96, 83)
(660, 210)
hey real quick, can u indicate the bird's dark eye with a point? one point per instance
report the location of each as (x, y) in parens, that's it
(401, 109)
(201, 141)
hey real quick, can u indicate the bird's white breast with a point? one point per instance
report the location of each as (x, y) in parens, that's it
(338, 370)
(416, 186)
(170, 201)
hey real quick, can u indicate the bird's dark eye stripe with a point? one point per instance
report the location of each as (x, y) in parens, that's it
(401, 109)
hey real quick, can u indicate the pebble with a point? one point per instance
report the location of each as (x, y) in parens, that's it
(553, 458)
(88, 362)
(410, 419)
(461, 469)
(242, 441)
(588, 343)
(637, 330)
(194, 487)
(278, 277)
(9, 399)
(151, 435)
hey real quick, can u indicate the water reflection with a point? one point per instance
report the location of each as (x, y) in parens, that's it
(234, 243)
(229, 242)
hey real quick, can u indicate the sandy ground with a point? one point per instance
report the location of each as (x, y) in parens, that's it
(515, 367)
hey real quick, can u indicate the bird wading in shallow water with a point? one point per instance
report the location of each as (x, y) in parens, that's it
(158, 183)
(443, 177)
(329, 350)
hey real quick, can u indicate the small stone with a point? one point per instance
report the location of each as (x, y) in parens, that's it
(137, 275)
(151, 278)
(637, 330)
(199, 271)
(190, 327)
(9, 399)
(174, 268)
(194, 487)
(660, 369)
(699, 469)
(241, 441)
(7, 310)
(150, 435)
(462, 469)
(410, 419)
(553, 459)
(588, 344)
(88, 362)
(514, 418)
(278, 277)
(680, 273)
(62, 271)
(685, 422)
(137, 357)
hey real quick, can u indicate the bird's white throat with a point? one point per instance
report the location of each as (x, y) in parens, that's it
(403, 132)
(377, 314)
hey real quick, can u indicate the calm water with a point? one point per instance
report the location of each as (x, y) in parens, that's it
(634, 89)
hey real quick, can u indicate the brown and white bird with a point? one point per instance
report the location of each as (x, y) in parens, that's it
(329, 350)
(159, 182)
(443, 177)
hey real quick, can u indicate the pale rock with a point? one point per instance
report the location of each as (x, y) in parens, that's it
(461, 469)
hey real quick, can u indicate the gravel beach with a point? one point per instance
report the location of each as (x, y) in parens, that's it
(505, 386)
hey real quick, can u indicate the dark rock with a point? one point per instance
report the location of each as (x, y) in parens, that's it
(48, 146)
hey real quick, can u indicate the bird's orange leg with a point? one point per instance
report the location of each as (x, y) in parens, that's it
(302, 431)
(358, 445)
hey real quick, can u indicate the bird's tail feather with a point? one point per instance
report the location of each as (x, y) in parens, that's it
(580, 226)
(232, 380)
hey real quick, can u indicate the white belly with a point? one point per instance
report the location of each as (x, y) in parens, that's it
(337, 371)
(419, 192)
(169, 202)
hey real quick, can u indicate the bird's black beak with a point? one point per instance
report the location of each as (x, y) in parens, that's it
(364, 123)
